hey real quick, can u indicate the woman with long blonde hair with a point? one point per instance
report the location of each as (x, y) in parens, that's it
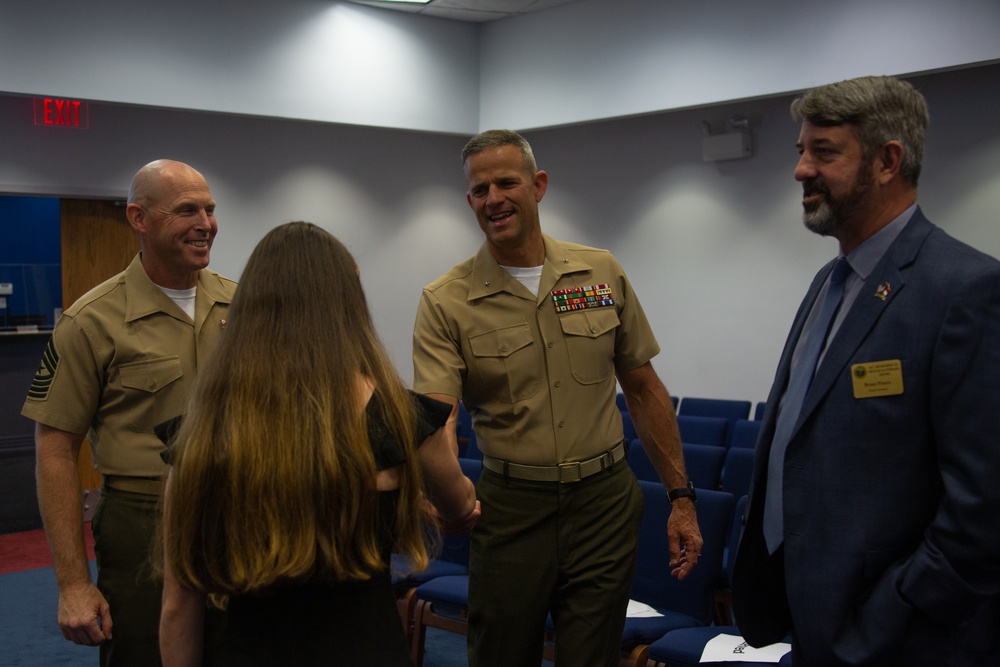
(296, 471)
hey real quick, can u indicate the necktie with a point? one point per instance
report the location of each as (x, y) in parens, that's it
(791, 403)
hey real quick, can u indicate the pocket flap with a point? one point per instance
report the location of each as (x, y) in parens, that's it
(501, 343)
(151, 375)
(589, 323)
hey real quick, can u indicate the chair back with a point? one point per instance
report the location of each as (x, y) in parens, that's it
(737, 471)
(744, 433)
(703, 430)
(704, 464)
(653, 584)
(728, 409)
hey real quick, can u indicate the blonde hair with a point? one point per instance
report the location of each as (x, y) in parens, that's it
(274, 476)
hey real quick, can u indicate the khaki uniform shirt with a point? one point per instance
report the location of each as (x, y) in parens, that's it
(122, 359)
(540, 384)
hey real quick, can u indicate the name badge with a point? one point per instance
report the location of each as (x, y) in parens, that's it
(877, 378)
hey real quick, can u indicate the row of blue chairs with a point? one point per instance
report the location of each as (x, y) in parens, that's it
(708, 466)
(729, 410)
(718, 431)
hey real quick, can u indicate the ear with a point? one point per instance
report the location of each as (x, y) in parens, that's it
(888, 161)
(136, 216)
(468, 198)
(541, 185)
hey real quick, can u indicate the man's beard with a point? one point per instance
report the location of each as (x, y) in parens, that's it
(825, 217)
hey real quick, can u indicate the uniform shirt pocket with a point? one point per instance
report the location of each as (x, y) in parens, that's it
(590, 341)
(506, 362)
(143, 384)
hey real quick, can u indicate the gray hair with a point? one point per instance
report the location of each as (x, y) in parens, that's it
(496, 139)
(879, 109)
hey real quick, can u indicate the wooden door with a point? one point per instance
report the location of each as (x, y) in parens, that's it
(97, 242)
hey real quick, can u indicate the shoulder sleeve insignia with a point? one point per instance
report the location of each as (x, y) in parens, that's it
(40, 386)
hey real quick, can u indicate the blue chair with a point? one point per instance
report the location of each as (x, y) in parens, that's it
(728, 409)
(715, 407)
(723, 593)
(441, 603)
(683, 647)
(744, 433)
(737, 471)
(704, 464)
(452, 561)
(758, 412)
(703, 430)
(689, 603)
(681, 604)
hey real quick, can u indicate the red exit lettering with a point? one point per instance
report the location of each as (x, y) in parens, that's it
(56, 111)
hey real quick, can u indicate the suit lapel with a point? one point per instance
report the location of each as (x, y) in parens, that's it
(866, 310)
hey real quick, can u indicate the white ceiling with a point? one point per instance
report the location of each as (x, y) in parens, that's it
(474, 11)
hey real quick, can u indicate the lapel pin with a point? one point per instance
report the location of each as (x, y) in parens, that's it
(222, 323)
(883, 291)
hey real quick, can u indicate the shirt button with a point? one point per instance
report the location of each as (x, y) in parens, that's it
(558, 384)
(593, 330)
(561, 424)
(503, 348)
(540, 306)
(152, 385)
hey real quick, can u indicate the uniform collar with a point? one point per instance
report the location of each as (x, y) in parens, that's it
(488, 277)
(144, 297)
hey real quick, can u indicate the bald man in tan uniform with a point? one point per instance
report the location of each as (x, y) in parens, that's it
(122, 359)
(531, 334)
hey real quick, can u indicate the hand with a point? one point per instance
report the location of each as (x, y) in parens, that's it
(463, 525)
(84, 615)
(684, 538)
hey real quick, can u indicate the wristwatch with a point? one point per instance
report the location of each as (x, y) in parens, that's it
(683, 492)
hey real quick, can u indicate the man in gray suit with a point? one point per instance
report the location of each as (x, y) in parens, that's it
(873, 531)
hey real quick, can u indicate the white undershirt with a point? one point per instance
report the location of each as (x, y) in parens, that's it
(184, 298)
(529, 276)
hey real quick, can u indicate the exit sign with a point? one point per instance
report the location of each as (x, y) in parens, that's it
(61, 112)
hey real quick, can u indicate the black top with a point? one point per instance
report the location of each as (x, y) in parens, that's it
(350, 623)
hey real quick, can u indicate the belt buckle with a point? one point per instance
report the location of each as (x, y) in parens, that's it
(575, 476)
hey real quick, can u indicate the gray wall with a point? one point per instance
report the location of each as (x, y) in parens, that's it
(340, 62)
(716, 250)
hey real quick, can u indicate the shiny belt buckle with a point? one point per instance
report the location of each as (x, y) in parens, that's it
(570, 472)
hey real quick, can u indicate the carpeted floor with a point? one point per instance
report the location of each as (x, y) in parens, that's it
(30, 551)
(28, 599)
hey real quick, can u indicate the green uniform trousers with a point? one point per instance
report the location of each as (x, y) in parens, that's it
(123, 527)
(542, 548)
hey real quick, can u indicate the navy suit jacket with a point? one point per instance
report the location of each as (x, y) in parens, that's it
(892, 503)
